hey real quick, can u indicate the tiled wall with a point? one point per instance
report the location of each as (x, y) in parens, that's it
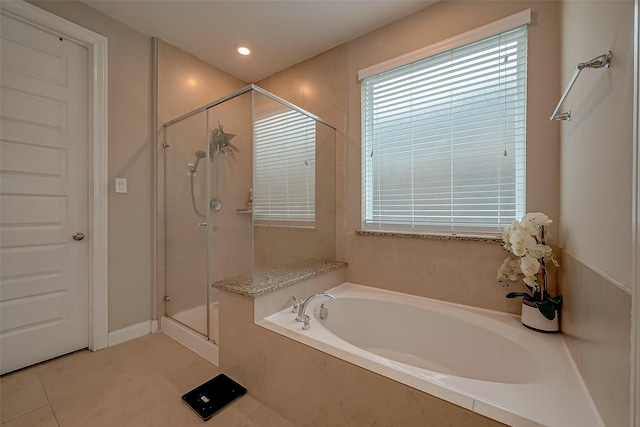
(596, 213)
(327, 85)
(318, 85)
(276, 246)
(185, 83)
(596, 325)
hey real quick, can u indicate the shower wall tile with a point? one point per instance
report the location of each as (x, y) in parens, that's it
(234, 256)
(285, 245)
(337, 119)
(324, 81)
(185, 241)
(185, 83)
(186, 284)
(326, 187)
(596, 324)
(287, 84)
(340, 202)
(341, 236)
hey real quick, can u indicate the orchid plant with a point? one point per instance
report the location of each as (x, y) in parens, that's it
(525, 240)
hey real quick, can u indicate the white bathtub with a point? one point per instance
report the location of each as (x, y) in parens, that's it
(481, 360)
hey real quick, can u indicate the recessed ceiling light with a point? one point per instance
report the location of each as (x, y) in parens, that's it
(243, 50)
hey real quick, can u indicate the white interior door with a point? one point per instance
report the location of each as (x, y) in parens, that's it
(43, 196)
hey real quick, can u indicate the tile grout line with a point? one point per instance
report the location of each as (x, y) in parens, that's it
(55, 417)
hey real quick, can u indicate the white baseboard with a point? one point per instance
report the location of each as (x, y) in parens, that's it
(132, 332)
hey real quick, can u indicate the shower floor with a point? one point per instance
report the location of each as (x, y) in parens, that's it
(196, 319)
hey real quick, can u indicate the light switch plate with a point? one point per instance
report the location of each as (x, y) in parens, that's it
(121, 185)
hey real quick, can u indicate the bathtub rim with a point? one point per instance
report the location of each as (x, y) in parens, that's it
(466, 400)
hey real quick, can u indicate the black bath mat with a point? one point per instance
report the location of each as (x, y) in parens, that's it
(213, 395)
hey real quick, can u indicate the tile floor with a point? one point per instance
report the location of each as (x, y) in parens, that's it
(134, 384)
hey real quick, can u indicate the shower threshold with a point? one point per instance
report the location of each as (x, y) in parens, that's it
(191, 339)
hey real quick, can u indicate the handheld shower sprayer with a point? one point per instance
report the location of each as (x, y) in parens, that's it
(192, 172)
(199, 155)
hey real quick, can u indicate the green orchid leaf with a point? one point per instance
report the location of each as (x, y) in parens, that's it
(557, 301)
(547, 309)
(524, 295)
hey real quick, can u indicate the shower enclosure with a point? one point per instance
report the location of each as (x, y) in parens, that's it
(249, 183)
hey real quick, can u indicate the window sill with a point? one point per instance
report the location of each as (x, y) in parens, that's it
(485, 239)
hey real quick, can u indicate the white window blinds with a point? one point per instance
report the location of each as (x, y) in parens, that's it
(284, 184)
(444, 140)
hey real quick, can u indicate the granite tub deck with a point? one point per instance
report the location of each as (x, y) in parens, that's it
(307, 386)
(267, 280)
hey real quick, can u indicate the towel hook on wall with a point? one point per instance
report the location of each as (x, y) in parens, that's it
(602, 61)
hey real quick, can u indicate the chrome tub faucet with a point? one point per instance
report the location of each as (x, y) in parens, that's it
(302, 307)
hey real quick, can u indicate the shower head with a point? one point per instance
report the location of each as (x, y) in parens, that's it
(199, 155)
(220, 141)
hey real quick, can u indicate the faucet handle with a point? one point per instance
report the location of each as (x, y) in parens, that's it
(296, 305)
(306, 325)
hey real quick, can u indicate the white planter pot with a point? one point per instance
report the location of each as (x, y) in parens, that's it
(533, 319)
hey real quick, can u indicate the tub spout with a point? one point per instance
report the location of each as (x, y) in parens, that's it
(303, 305)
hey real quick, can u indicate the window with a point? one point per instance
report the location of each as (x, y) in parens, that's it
(285, 169)
(444, 140)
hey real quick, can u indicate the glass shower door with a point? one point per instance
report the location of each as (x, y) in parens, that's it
(229, 183)
(186, 163)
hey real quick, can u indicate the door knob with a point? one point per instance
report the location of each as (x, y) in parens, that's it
(78, 236)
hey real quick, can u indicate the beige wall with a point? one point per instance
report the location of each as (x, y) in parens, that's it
(130, 138)
(596, 195)
(597, 149)
(462, 272)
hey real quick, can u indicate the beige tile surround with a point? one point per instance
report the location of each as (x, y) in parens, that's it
(596, 325)
(314, 389)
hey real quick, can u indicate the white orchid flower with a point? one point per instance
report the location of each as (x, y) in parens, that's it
(533, 223)
(529, 265)
(537, 218)
(521, 241)
(509, 271)
(531, 281)
(508, 231)
(539, 251)
(524, 240)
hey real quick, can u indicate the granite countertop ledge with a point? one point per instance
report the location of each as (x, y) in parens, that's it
(268, 280)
